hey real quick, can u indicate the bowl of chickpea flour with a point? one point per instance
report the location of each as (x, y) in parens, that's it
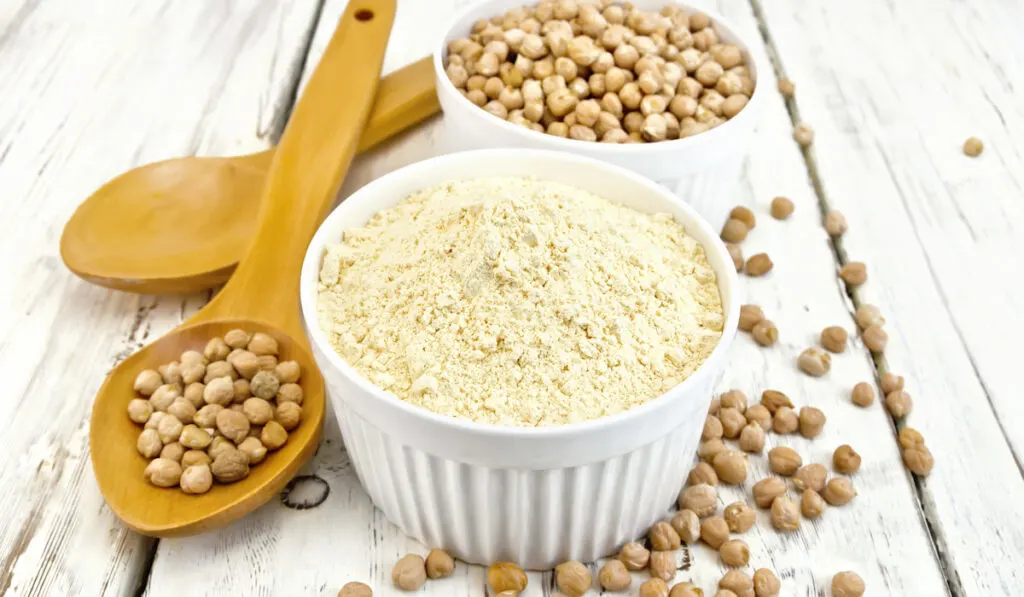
(538, 490)
(605, 90)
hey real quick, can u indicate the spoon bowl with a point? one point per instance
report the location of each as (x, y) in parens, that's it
(263, 294)
(163, 512)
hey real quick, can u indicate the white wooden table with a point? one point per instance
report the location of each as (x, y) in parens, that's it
(90, 89)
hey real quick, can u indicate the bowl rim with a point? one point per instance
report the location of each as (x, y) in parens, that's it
(727, 281)
(715, 135)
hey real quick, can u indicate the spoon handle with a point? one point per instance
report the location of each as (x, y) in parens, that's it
(307, 170)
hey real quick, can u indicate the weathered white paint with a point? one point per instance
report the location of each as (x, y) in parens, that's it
(938, 232)
(880, 535)
(90, 90)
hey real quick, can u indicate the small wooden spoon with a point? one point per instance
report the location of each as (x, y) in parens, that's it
(263, 295)
(181, 225)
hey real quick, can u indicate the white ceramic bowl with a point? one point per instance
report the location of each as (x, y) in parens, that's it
(537, 496)
(703, 170)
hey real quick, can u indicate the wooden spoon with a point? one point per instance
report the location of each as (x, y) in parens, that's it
(182, 225)
(263, 295)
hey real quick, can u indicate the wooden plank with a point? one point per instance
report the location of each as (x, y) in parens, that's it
(278, 550)
(937, 230)
(90, 90)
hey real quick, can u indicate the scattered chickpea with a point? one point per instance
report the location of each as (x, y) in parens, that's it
(899, 404)
(759, 265)
(573, 578)
(814, 362)
(782, 208)
(735, 399)
(759, 414)
(614, 576)
(863, 394)
(752, 438)
(784, 460)
(803, 134)
(685, 589)
(662, 537)
(732, 421)
(765, 333)
(891, 382)
(812, 421)
(785, 421)
(750, 315)
(731, 467)
(714, 531)
(773, 400)
(847, 584)
(739, 517)
(734, 553)
(811, 504)
(910, 438)
(846, 460)
(687, 525)
(875, 338)
(743, 214)
(766, 584)
(713, 428)
(973, 147)
(409, 573)
(662, 565)
(709, 449)
(868, 315)
(919, 460)
(786, 88)
(734, 231)
(766, 490)
(738, 582)
(355, 589)
(634, 556)
(654, 587)
(833, 338)
(835, 223)
(839, 491)
(785, 514)
(810, 476)
(854, 273)
(701, 499)
(164, 396)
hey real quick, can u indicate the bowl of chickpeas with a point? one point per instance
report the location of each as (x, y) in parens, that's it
(655, 86)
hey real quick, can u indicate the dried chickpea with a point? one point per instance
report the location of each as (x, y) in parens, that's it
(409, 573)
(910, 438)
(714, 531)
(785, 421)
(803, 134)
(219, 391)
(733, 104)
(288, 414)
(182, 409)
(164, 396)
(572, 578)
(750, 315)
(708, 73)
(219, 369)
(355, 589)
(253, 450)
(496, 108)
(273, 435)
(784, 460)
(731, 467)
(654, 104)
(734, 231)
(732, 421)
(216, 350)
(233, 425)
(863, 394)
(734, 553)
(218, 446)
(169, 429)
(847, 584)
(439, 564)
(701, 499)
(833, 338)
(782, 208)
(149, 443)
(582, 133)
(171, 373)
(712, 428)
(738, 582)
(838, 491)
(899, 404)
(558, 129)
(766, 490)
(891, 382)
(614, 576)
(868, 315)
(773, 400)
(814, 362)
(812, 421)
(194, 394)
(687, 526)
(194, 457)
(835, 223)
(195, 438)
(786, 87)
(702, 473)
(739, 517)
(854, 273)
(760, 415)
(785, 514)
(207, 415)
(745, 215)
(663, 537)
(653, 587)
(752, 438)
(633, 122)
(243, 391)
(765, 333)
(689, 86)
(734, 399)
(736, 253)
(919, 460)
(810, 476)
(711, 448)
(973, 147)
(196, 479)
(163, 472)
(634, 556)
(811, 504)
(655, 128)
(237, 338)
(289, 392)
(147, 382)
(766, 584)
(506, 576)
(759, 265)
(258, 411)
(685, 589)
(139, 410)
(477, 96)
(846, 460)
(230, 465)
(875, 338)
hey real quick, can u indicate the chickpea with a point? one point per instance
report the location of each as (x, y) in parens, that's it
(139, 410)
(973, 147)
(662, 566)
(734, 231)
(655, 128)
(812, 420)
(149, 443)
(194, 394)
(810, 476)
(182, 409)
(439, 564)
(230, 465)
(237, 338)
(738, 582)
(875, 338)
(653, 587)
(572, 578)
(764, 332)
(477, 96)
(899, 404)
(650, 81)
(846, 460)
(784, 460)
(273, 435)
(163, 472)
(690, 87)
(702, 473)
(497, 109)
(288, 414)
(218, 446)
(194, 438)
(409, 573)
(835, 223)
(708, 73)
(736, 253)
(607, 122)
(207, 415)
(766, 490)
(766, 584)
(234, 425)
(759, 265)
(216, 350)
(169, 429)
(164, 396)
(457, 75)
(734, 553)
(147, 382)
(634, 556)
(714, 531)
(663, 537)
(918, 459)
(196, 479)
(803, 134)
(705, 39)
(752, 438)
(839, 491)
(220, 391)
(687, 525)
(614, 576)
(683, 106)
(734, 104)
(582, 133)
(194, 457)
(253, 449)
(558, 129)
(785, 514)
(566, 68)
(759, 415)
(739, 517)
(615, 136)
(891, 382)
(773, 400)
(711, 448)
(701, 499)
(170, 373)
(863, 394)
(786, 87)
(626, 56)
(506, 576)
(219, 369)
(782, 208)
(750, 315)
